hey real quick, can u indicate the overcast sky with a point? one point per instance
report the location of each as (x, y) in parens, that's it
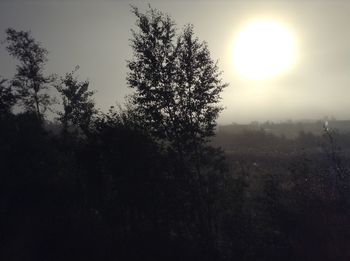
(95, 35)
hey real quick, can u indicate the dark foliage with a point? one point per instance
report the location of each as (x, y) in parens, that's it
(7, 97)
(30, 82)
(78, 105)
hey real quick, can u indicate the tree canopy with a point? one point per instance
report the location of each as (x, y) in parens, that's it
(177, 84)
(30, 81)
(78, 104)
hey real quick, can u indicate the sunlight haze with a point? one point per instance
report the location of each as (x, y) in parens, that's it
(263, 49)
(309, 64)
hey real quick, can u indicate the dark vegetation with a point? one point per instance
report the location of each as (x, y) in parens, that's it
(148, 181)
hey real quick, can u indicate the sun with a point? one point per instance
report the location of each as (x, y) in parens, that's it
(263, 49)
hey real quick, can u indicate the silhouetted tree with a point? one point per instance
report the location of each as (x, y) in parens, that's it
(78, 105)
(177, 84)
(178, 88)
(29, 80)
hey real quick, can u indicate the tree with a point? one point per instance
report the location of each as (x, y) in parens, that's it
(29, 80)
(177, 83)
(7, 97)
(177, 90)
(78, 105)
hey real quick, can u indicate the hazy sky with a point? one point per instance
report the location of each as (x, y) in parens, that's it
(95, 35)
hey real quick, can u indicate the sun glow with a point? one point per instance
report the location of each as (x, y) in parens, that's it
(263, 49)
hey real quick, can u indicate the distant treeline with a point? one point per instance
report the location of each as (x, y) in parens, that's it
(282, 137)
(289, 129)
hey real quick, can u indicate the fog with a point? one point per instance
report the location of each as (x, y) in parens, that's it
(157, 179)
(95, 35)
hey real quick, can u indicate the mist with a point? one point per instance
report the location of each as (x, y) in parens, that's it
(95, 35)
(178, 131)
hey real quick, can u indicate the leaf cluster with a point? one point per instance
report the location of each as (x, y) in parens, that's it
(78, 103)
(7, 97)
